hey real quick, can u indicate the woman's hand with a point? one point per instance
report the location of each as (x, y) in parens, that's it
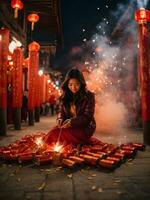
(66, 123)
(60, 123)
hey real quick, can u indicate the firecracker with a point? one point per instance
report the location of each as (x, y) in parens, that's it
(91, 160)
(128, 147)
(96, 148)
(77, 159)
(139, 146)
(86, 148)
(129, 153)
(31, 148)
(42, 159)
(97, 155)
(57, 158)
(120, 155)
(117, 161)
(68, 163)
(106, 163)
(10, 156)
(25, 157)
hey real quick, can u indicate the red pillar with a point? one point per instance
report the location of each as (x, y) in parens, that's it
(33, 73)
(143, 16)
(4, 42)
(37, 99)
(17, 87)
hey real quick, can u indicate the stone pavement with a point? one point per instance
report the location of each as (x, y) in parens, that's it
(131, 181)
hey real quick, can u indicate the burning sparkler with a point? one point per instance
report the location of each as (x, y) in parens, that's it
(39, 142)
(58, 147)
(57, 154)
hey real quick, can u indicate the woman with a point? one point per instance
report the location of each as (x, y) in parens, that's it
(76, 123)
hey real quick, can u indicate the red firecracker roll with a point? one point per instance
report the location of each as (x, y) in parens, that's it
(68, 163)
(89, 159)
(25, 157)
(110, 164)
(138, 146)
(77, 159)
(41, 159)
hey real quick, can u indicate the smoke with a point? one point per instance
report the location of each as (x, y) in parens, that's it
(110, 114)
(142, 3)
(113, 75)
(104, 80)
(108, 61)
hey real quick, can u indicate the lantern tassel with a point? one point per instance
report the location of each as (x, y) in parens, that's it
(16, 13)
(32, 26)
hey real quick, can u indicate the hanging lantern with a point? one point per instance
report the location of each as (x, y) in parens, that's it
(16, 5)
(34, 46)
(33, 18)
(142, 15)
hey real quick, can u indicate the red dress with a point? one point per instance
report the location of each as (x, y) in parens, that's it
(72, 136)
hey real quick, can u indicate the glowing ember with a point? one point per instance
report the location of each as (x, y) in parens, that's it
(39, 141)
(58, 147)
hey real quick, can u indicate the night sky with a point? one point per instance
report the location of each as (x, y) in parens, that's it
(84, 14)
(80, 19)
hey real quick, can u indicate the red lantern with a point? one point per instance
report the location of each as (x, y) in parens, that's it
(142, 15)
(33, 18)
(17, 5)
(34, 46)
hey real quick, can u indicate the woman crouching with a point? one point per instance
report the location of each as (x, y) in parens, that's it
(76, 123)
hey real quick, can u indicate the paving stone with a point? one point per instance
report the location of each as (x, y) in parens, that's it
(32, 195)
(131, 181)
(57, 195)
(59, 182)
(24, 182)
(13, 195)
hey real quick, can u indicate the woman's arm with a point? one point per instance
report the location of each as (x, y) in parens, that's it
(61, 114)
(88, 113)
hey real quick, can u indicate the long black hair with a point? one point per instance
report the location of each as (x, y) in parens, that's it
(68, 96)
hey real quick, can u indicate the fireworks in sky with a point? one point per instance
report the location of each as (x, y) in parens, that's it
(109, 59)
(109, 66)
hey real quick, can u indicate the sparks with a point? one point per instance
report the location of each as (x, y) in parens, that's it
(58, 147)
(39, 141)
